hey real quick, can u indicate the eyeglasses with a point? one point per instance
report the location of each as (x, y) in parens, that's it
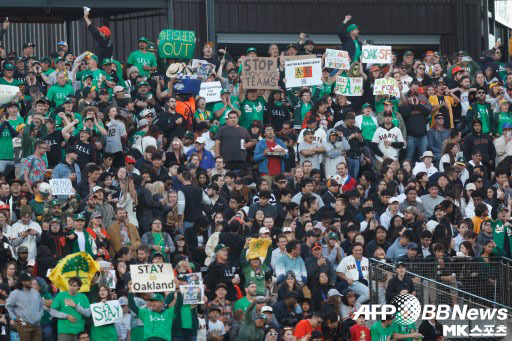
(480, 92)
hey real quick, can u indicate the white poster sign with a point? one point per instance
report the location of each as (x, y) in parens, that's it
(152, 277)
(337, 59)
(61, 187)
(374, 54)
(210, 91)
(304, 72)
(8, 93)
(106, 313)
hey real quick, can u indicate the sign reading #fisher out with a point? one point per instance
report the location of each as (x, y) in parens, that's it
(374, 54)
(305, 72)
(176, 44)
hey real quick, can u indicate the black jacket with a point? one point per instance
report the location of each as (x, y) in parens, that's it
(103, 47)
(346, 40)
(481, 142)
(395, 285)
(221, 273)
(415, 118)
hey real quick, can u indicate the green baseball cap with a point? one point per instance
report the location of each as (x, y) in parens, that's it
(225, 91)
(220, 247)
(366, 105)
(95, 57)
(333, 235)
(59, 59)
(54, 203)
(87, 130)
(139, 84)
(408, 53)
(251, 49)
(157, 297)
(79, 216)
(107, 61)
(68, 100)
(214, 128)
(9, 67)
(46, 60)
(189, 134)
(87, 74)
(351, 27)
(144, 40)
(20, 59)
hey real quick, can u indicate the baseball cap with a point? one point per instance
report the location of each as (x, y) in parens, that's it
(502, 207)
(291, 46)
(8, 67)
(29, 44)
(412, 245)
(95, 215)
(79, 216)
(225, 91)
(220, 247)
(142, 123)
(267, 309)
(316, 246)
(261, 317)
(96, 189)
(214, 128)
(351, 27)
(309, 42)
(287, 229)
(214, 308)
(308, 131)
(456, 70)
(24, 276)
(189, 135)
(129, 159)
(156, 297)
(461, 160)
(333, 292)
(394, 199)
(144, 40)
(220, 285)
(22, 249)
(408, 53)
(179, 236)
(387, 114)
(264, 230)
(54, 203)
(333, 235)
(332, 182)
(251, 49)
(118, 88)
(470, 186)
(201, 140)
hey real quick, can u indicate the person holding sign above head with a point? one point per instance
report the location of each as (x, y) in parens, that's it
(70, 307)
(158, 321)
(144, 60)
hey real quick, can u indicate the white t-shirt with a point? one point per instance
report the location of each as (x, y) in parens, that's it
(349, 268)
(81, 240)
(216, 328)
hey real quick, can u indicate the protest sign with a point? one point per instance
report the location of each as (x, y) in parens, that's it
(258, 248)
(305, 72)
(210, 91)
(8, 93)
(374, 54)
(78, 264)
(349, 86)
(337, 59)
(176, 44)
(260, 73)
(194, 278)
(202, 68)
(386, 86)
(61, 187)
(106, 313)
(152, 277)
(298, 57)
(192, 294)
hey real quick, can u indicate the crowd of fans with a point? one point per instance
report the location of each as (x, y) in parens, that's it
(325, 181)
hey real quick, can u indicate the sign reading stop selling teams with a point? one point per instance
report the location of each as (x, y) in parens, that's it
(386, 86)
(373, 54)
(61, 187)
(210, 91)
(152, 277)
(349, 86)
(260, 73)
(106, 313)
(337, 59)
(304, 72)
(176, 44)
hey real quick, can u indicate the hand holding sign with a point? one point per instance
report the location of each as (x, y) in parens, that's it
(374, 54)
(260, 73)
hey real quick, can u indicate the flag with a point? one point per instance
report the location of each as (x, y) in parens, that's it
(258, 248)
(79, 264)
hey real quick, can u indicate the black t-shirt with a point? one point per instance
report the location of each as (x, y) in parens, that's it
(276, 115)
(231, 142)
(85, 152)
(54, 142)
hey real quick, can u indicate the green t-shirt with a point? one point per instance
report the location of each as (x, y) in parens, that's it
(204, 115)
(357, 51)
(380, 333)
(325, 89)
(368, 127)
(402, 330)
(503, 117)
(242, 304)
(252, 111)
(186, 317)
(14, 82)
(484, 117)
(6, 148)
(139, 59)
(57, 94)
(220, 105)
(306, 107)
(157, 324)
(63, 325)
(104, 333)
(49, 71)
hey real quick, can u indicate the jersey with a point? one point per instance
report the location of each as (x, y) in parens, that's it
(139, 59)
(392, 135)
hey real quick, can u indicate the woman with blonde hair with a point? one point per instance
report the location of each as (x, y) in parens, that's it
(128, 199)
(175, 153)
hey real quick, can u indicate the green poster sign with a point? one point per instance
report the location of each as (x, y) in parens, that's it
(176, 44)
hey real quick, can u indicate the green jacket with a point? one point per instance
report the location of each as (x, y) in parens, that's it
(178, 323)
(28, 142)
(298, 104)
(498, 235)
(249, 331)
(88, 243)
(473, 114)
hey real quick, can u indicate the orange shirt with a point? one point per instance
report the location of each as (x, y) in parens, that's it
(304, 328)
(477, 222)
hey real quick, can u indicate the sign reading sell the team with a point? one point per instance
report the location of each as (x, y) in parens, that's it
(176, 44)
(386, 86)
(210, 91)
(305, 72)
(152, 277)
(337, 59)
(348, 86)
(106, 313)
(374, 54)
(260, 73)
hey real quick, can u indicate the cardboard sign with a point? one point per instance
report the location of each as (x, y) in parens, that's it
(298, 57)
(176, 44)
(210, 91)
(348, 86)
(106, 313)
(260, 73)
(305, 72)
(152, 277)
(386, 86)
(373, 54)
(61, 187)
(192, 294)
(8, 93)
(337, 59)
(202, 68)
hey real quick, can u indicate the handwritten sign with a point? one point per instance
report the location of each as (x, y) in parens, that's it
(152, 277)
(373, 54)
(8, 93)
(210, 91)
(176, 44)
(202, 68)
(260, 73)
(61, 187)
(106, 313)
(348, 86)
(192, 294)
(298, 57)
(337, 59)
(386, 86)
(305, 72)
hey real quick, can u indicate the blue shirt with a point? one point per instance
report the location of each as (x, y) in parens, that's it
(207, 160)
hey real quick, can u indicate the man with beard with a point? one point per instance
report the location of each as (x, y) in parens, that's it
(349, 35)
(123, 234)
(68, 169)
(25, 306)
(144, 61)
